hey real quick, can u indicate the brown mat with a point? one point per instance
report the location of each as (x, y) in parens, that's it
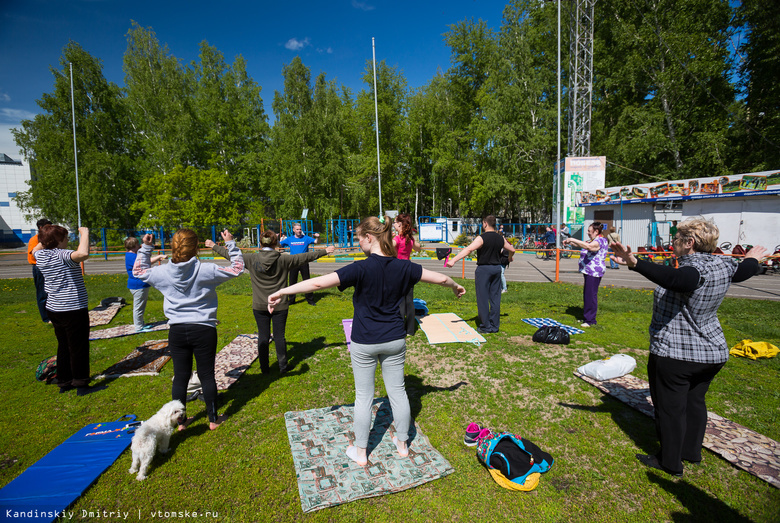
(103, 315)
(744, 448)
(126, 330)
(233, 360)
(448, 327)
(145, 360)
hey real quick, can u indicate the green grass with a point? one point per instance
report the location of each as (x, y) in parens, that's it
(244, 470)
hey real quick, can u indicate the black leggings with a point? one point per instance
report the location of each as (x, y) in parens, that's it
(263, 320)
(186, 340)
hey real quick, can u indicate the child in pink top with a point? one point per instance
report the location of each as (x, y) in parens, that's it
(404, 243)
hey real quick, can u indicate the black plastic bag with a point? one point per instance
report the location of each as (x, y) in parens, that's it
(551, 334)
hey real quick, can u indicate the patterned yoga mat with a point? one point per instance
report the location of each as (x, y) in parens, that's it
(738, 445)
(448, 327)
(234, 359)
(549, 322)
(102, 315)
(126, 330)
(145, 360)
(327, 477)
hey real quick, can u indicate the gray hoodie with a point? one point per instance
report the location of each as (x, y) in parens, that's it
(189, 288)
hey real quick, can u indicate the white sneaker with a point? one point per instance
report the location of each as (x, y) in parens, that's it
(585, 325)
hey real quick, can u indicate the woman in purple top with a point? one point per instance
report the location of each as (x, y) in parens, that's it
(592, 266)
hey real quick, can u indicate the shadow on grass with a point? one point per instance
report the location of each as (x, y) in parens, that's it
(634, 424)
(416, 389)
(700, 505)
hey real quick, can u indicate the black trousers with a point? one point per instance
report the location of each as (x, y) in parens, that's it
(186, 340)
(407, 312)
(263, 320)
(487, 283)
(40, 293)
(305, 275)
(72, 331)
(678, 388)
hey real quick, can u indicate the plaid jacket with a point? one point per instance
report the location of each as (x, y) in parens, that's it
(685, 325)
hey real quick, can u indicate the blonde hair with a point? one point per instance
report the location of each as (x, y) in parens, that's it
(381, 231)
(184, 245)
(704, 233)
(131, 243)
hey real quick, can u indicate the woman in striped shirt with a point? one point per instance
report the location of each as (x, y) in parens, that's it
(66, 303)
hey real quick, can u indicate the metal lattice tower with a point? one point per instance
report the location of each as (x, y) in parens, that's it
(580, 76)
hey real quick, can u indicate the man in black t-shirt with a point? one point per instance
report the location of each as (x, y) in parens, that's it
(487, 276)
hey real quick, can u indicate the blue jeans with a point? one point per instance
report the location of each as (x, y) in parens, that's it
(391, 355)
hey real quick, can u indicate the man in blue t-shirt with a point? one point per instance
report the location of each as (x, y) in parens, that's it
(299, 243)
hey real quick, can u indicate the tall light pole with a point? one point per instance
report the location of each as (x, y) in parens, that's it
(75, 149)
(376, 116)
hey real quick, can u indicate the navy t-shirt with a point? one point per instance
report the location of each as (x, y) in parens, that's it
(381, 283)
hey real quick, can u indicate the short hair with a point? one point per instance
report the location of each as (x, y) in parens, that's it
(490, 220)
(704, 233)
(51, 236)
(269, 239)
(612, 229)
(184, 245)
(42, 222)
(131, 243)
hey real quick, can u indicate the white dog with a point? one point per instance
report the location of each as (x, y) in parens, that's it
(155, 431)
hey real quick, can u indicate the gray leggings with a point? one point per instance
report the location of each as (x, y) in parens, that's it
(391, 355)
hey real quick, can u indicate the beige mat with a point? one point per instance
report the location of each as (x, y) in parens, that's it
(744, 448)
(448, 327)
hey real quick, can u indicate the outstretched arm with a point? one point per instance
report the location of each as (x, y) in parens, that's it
(82, 252)
(321, 282)
(473, 246)
(443, 280)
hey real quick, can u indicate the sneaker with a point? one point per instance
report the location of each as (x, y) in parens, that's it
(474, 433)
(585, 325)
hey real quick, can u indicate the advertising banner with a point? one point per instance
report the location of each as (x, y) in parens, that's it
(752, 184)
(582, 174)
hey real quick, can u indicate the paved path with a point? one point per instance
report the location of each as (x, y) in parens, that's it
(526, 267)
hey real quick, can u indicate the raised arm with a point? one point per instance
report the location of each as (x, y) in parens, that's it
(321, 282)
(82, 252)
(473, 246)
(236, 267)
(143, 262)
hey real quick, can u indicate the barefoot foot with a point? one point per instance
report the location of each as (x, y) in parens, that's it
(352, 453)
(214, 424)
(186, 423)
(401, 447)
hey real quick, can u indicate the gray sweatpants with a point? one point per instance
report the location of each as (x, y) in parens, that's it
(391, 355)
(139, 306)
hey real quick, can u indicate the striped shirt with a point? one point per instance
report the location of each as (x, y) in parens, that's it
(63, 281)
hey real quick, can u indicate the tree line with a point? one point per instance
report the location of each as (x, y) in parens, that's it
(190, 144)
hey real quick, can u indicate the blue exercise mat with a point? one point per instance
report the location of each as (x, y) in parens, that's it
(53, 483)
(549, 322)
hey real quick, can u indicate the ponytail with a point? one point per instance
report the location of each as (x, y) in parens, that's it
(381, 230)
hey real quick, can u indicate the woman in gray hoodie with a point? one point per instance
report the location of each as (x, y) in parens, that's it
(268, 269)
(190, 303)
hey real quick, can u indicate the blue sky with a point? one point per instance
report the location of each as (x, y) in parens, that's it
(332, 36)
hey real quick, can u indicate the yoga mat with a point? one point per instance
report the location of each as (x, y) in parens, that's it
(102, 315)
(347, 324)
(740, 446)
(234, 359)
(327, 477)
(126, 330)
(145, 360)
(549, 322)
(448, 327)
(54, 482)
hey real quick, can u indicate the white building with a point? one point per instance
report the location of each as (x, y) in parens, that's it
(15, 230)
(745, 207)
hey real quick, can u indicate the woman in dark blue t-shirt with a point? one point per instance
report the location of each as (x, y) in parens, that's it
(381, 282)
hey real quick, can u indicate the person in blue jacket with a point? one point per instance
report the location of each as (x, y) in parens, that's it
(138, 289)
(299, 243)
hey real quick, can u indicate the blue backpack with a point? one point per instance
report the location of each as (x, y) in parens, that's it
(514, 462)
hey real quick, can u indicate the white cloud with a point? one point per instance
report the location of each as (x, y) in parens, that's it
(329, 50)
(4, 97)
(9, 115)
(7, 144)
(293, 44)
(362, 6)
